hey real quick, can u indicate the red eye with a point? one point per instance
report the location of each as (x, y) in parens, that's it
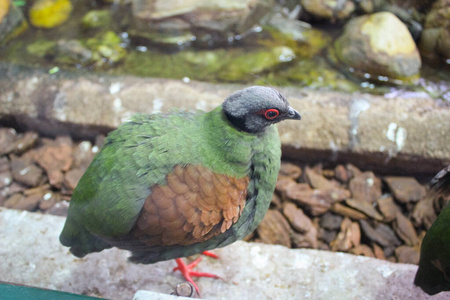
(271, 114)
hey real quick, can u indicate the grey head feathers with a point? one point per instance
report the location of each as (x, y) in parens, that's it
(254, 108)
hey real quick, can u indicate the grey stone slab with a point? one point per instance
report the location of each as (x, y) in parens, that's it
(30, 254)
(389, 132)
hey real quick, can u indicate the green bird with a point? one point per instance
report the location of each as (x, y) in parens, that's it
(168, 186)
(433, 274)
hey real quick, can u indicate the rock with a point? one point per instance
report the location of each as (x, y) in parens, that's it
(319, 130)
(368, 5)
(405, 230)
(316, 202)
(285, 183)
(347, 212)
(19, 201)
(237, 67)
(5, 178)
(32, 238)
(274, 229)
(25, 142)
(4, 9)
(327, 173)
(7, 191)
(378, 252)
(99, 142)
(364, 207)
(7, 139)
(363, 250)
(83, 154)
(102, 50)
(298, 220)
(288, 28)
(365, 187)
(205, 22)
(106, 49)
(60, 208)
(330, 221)
(348, 237)
(380, 45)
(443, 44)
(305, 240)
(381, 236)
(407, 255)
(57, 157)
(327, 235)
(392, 259)
(387, 233)
(5, 172)
(49, 200)
(330, 10)
(71, 52)
(30, 199)
(342, 174)
(423, 213)
(290, 170)
(405, 189)
(353, 171)
(12, 21)
(13, 200)
(11, 142)
(56, 178)
(49, 13)
(96, 19)
(25, 171)
(41, 49)
(387, 207)
(276, 201)
(4, 164)
(72, 177)
(318, 181)
(434, 38)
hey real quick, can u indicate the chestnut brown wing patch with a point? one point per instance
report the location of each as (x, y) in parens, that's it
(195, 205)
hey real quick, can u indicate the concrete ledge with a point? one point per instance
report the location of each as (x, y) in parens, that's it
(389, 134)
(31, 254)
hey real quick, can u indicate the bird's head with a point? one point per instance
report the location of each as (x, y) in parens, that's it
(254, 108)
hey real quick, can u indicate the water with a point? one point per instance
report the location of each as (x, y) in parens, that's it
(257, 57)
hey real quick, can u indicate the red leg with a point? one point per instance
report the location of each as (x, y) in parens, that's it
(210, 254)
(188, 273)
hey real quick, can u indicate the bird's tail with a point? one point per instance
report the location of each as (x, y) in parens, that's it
(80, 241)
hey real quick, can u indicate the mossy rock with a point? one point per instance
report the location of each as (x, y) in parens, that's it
(106, 48)
(96, 19)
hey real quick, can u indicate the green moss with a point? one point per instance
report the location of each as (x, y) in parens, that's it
(239, 66)
(106, 48)
(317, 74)
(40, 47)
(212, 65)
(96, 19)
(312, 42)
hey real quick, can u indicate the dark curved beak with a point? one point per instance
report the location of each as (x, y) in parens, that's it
(292, 114)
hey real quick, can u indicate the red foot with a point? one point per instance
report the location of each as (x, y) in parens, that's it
(210, 254)
(188, 273)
